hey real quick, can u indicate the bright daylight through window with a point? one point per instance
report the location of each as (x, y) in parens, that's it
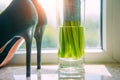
(92, 24)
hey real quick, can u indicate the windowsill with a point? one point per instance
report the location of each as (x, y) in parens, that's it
(51, 57)
(49, 72)
(55, 51)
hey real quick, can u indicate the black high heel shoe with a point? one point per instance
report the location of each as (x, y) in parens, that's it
(19, 19)
(42, 21)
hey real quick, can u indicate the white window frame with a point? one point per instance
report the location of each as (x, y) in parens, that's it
(111, 44)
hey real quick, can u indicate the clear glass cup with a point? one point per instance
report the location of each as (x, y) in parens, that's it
(71, 38)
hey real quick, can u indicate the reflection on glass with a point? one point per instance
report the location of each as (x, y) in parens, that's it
(61, 76)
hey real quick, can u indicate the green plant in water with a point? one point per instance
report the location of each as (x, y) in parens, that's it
(71, 41)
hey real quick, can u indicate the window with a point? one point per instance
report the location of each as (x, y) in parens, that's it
(99, 33)
(92, 25)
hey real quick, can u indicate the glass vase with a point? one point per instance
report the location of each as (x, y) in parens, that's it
(71, 38)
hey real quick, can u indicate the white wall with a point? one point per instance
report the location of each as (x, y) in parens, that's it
(116, 29)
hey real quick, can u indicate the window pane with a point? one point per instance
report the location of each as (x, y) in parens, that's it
(92, 24)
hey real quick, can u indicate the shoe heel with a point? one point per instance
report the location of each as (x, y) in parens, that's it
(28, 36)
(38, 37)
(42, 21)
